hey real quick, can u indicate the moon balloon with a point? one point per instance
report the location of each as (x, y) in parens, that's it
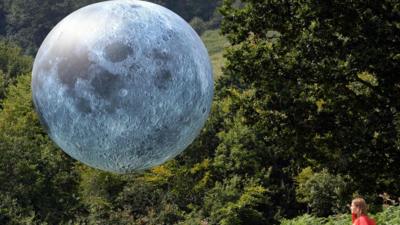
(122, 85)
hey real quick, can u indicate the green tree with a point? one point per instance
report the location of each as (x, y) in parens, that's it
(324, 91)
(37, 179)
(2, 19)
(234, 202)
(12, 64)
(324, 193)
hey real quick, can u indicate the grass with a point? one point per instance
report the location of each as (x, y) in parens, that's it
(215, 43)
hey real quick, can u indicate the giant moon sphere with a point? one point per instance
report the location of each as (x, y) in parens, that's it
(122, 85)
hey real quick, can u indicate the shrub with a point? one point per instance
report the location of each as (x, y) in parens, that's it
(323, 192)
(389, 216)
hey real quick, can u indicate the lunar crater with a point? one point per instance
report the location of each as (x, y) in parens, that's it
(163, 79)
(117, 52)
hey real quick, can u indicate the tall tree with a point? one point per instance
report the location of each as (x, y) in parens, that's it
(323, 76)
(12, 64)
(37, 180)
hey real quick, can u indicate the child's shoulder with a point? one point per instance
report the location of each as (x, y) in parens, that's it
(364, 220)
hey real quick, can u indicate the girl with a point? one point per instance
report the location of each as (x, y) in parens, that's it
(359, 212)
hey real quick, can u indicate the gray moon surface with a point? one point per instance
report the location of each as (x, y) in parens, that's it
(122, 85)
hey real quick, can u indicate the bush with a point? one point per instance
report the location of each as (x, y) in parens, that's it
(305, 219)
(323, 192)
(389, 216)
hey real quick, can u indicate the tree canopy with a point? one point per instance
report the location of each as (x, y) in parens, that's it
(323, 76)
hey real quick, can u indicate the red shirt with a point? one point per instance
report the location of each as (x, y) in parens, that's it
(362, 220)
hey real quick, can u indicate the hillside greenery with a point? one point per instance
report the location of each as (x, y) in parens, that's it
(305, 117)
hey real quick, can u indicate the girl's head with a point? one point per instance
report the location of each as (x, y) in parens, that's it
(359, 206)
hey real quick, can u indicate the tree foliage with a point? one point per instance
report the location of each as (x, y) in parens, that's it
(324, 193)
(325, 82)
(12, 64)
(38, 180)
